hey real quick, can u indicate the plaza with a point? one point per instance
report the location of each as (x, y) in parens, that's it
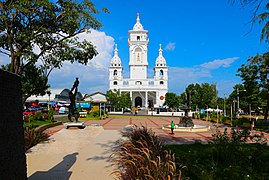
(83, 153)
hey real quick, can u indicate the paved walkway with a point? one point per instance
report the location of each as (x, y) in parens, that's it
(73, 154)
(83, 153)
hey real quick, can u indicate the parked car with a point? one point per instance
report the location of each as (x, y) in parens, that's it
(28, 112)
(63, 110)
(127, 110)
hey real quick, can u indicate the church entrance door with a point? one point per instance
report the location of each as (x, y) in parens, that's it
(138, 101)
(150, 103)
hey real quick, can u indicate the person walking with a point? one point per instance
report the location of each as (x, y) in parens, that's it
(172, 127)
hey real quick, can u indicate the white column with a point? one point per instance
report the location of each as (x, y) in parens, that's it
(131, 96)
(157, 98)
(146, 103)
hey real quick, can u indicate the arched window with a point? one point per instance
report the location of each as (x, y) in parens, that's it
(115, 83)
(138, 54)
(138, 83)
(138, 38)
(161, 82)
(161, 72)
(115, 73)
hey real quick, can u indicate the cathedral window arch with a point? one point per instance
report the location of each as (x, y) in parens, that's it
(115, 73)
(161, 83)
(138, 54)
(115, 83)
(161, 72)
(138, 83)
(138, 38)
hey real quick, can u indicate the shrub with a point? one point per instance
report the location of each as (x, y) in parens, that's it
(38, 116)
(45, 116)
(95, 113)
(237, 137)
(33, 137)
(50, 114)
(142, 156)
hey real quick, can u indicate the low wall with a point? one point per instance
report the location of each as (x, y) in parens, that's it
(169, 113)
(12, 155)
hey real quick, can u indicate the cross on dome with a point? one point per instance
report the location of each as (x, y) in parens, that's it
(138, 26)
(116, 61)
(137, 17)
(116, 49)
(160, 50)
(160, 60)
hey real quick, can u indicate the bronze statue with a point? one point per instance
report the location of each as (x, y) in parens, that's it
(72, 107)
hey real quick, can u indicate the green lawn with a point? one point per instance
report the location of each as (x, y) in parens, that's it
(212, 161)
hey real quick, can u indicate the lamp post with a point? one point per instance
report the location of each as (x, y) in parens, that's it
(238, 102)
(49, 93)
(224, 112)
(217, 114)
(207, 112)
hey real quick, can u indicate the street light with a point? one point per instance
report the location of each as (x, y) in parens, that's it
(224, 106)
(238, 101)
(49, 93)
(207, 112)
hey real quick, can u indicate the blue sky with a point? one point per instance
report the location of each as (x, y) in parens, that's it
(203, 41)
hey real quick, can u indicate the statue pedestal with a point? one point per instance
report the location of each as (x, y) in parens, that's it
(78, 124)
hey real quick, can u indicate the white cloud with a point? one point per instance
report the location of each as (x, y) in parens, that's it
(94, 76)
(217, 63)
(180, 78)
(4, 59)
(170, 46)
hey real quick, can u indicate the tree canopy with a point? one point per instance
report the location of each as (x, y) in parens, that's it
(45, 33)
(202, 96)
(255, 77)
(119, 100)
(172, 100)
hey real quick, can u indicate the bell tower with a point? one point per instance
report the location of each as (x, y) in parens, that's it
(161, 70)
(115, 71)
(138, 51)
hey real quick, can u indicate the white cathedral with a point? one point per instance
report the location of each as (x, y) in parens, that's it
(144, 92)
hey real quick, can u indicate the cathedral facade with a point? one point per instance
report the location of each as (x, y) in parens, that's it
(144, 92)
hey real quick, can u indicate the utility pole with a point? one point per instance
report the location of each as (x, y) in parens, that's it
(238, 103)
(224, 106)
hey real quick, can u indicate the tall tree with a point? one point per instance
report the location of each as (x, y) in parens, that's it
(255, 76)
(204, 95)
(172, 100)
(45, 32)
(119, 100)
(261, 17)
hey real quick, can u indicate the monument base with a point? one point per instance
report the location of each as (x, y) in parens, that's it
(78, 124)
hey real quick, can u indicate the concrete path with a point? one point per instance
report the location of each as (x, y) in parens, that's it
(73, 154)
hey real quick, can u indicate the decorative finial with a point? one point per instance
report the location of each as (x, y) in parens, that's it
(116, 50)
(160, 50)
(137, 17)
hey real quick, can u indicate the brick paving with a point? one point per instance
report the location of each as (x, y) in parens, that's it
(156, 123)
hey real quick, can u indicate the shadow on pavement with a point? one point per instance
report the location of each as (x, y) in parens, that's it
(60, 171)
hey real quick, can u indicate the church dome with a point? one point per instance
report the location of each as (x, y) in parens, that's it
(138, 26)
(160, 60)
(115, 61)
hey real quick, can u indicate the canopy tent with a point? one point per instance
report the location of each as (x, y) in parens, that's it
(83, 105)
(209, 110)
(217, 110)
